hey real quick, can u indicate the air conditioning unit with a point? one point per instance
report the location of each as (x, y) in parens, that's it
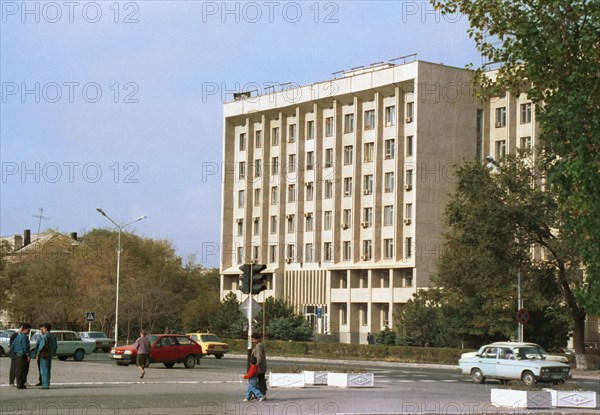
(307, 214)
(364, 224)
(291, 140)
(308, 184)
(240, 220)
(288, 260)
(409, 120)
(344, 226)
(363, 257)
(498, 124)
(289, 216)
(366, 192)
(408, 186)
(309, 167)
(407, 221)
(327, 165)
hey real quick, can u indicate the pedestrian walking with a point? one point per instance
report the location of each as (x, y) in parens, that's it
(261, 362)
(252, 377)
(21, 348)
(370, 338)
(142, 346)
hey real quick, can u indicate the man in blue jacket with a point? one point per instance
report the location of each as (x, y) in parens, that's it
(45, 350)
(21, 350)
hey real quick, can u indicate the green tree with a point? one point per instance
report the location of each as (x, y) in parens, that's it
(228, 320)
(281, 321)
(501, 224)
(386, 337)
(550, 49)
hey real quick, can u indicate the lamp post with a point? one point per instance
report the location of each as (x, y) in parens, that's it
(119, 227)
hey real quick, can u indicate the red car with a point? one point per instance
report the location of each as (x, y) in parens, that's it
(167, 349)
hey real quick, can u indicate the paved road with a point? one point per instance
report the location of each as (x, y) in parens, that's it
(98, 386)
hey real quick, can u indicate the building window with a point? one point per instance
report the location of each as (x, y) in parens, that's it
(257, 168)
(240, 255)
(479, 135)
(408, 279)
(409, 146)
(328, 126)
(385, 283)
(310, 190)
(328, 157)
(272, 253)
(367, 217)
(347, 186)
(292, 133)
(257, 197)
(242, 170)
(327, 220)
(256, 226)
(390, 116)
(308, 253)
(369, 119)
(274, 166)
(310, 160)
(409, 180)
(275, 136)
(500, 117)
(368, 184)
(526, 143)
(274, 198)
(328, 189)
(367, 249)
(500, 149)
(291, 228)
(347, 218)
(369, 152)
(291, 163)
(348, 150)
(348, 123)
(327, 251)
(388, 248)
(242, 141)
(408, 248)
(310, 130)
(388, 215)
(410, 111)
(343, 315)
(308, 223)
(347, 248)
(256, 252)
(526, 113)
(241, 197)
(240, 227)
(291, 193)
(273, 224)
(258, 139)
(390, 148)
(389, 182)
(408, 212)
(290, 252)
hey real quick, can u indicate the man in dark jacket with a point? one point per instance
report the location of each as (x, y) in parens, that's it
(261, 362)
(21, 349)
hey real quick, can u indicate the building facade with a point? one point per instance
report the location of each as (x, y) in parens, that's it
(340, 187)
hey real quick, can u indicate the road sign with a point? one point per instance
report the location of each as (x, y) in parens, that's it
(244, 307)
(523, 316)
(90, 316)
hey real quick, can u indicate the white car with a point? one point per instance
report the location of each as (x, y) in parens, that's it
(512, 361)
(547, 356)
(69, 344)
(100, 339)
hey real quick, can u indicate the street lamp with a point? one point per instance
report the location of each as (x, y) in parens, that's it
(119, 227)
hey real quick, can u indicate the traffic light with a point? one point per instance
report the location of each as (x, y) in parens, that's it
(258, 279)
(244, 279)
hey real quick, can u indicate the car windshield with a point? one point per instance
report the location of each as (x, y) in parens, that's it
(152, 338)
(529, 353)
(97, 335)
(209, 338)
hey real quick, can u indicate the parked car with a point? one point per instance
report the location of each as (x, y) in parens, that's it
(512, 361)
(167, 349)
(69, 344)
(544, 353)
(100, 339)
(210, 343)
(5, 340)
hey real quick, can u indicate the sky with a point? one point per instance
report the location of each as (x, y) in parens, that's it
(119, 105)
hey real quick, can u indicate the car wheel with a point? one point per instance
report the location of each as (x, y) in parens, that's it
(106, 349)
(528, 378)
(218, 356)
(169, 365)
(63, 358)
(477, 375)
(122, 364)
(78, 355)
(190, 361)
(1, 351)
